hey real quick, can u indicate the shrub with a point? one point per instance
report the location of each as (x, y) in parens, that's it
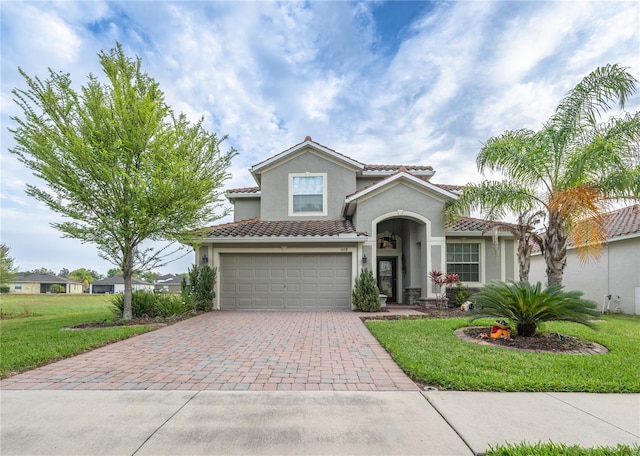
(4, 289)
(142, 304)
(200, 291)
(365, 294)
(55, 288)
(461, 293)
(168, 305)
(526, 306)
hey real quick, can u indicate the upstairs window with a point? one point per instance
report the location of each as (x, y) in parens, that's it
(308, 194)
(464, 260)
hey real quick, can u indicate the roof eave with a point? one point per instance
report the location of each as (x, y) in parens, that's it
(346, 237)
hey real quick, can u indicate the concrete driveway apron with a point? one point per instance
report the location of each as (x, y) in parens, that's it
(256, 351)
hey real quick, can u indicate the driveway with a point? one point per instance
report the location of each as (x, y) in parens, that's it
(256, 351)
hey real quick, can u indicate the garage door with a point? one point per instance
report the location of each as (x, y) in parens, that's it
(286, 281)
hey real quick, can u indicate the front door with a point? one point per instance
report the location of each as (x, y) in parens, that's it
(387, 277)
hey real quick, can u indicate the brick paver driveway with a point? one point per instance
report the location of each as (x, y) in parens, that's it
(260, 351)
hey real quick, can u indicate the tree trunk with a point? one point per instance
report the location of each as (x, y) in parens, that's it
(555, 251)
(127, 273)
(524, 259)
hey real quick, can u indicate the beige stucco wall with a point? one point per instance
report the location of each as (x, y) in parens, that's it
(25, 288)
(246, 208)
(617, 273)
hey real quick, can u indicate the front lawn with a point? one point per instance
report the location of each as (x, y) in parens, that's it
(31, 329)
(429, 352)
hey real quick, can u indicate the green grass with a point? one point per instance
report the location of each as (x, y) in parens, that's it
(31, 329)
(430, 353)
(558, 449)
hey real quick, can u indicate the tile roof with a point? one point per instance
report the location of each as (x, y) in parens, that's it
(470, 224)
(393, 168)
(282, 228)
(41, 278)
(623, 221)
(244, 190)
(450, 188)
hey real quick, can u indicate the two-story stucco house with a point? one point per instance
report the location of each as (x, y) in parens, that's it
(317, 217)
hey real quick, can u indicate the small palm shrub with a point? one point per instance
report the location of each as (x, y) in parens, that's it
(142, 304)
(365, 295)
(170, 305)
(526, 306)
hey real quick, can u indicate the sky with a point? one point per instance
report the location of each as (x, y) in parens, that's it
(391, 82)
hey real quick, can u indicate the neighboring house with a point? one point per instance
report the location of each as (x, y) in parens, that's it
(169, 283)
(112, 285)
(43, 283)
(317, 217)
(616, 273)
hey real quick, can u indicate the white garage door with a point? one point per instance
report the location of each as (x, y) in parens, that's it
(286, 281)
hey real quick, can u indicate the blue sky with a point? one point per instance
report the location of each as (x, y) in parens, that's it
(382, 82)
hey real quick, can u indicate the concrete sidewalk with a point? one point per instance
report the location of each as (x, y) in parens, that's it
(354, 423)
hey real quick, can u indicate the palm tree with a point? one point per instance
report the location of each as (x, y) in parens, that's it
(524, 231)
(569, 169)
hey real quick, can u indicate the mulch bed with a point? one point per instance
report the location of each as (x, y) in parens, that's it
(138, 321)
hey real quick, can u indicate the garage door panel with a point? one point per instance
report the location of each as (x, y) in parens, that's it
(286, 281)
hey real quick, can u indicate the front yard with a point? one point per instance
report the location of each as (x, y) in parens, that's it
(429, 352)
(31, 329)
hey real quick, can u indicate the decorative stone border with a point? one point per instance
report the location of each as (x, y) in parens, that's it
(593, 349)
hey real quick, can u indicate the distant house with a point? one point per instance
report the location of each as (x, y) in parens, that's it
(616, 273)
(27, 283)
(113, 285)
(169, 283)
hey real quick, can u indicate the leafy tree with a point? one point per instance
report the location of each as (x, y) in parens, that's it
(118, 163)
(114, 272)
(149, 276)
(526, 305)
(8, 270)
(82, 275)
(64, 272)
(201, 287)
(41, 271)
(569, 169)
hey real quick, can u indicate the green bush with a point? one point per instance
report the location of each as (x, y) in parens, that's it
(170, 305)
(142, 304)
(200, 291)
(152, 305)
(365, 294)
(55, 288)
(526, 306)
(461, 294)
(4, 289)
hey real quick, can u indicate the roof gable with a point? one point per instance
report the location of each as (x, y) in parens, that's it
(401, 175)
(308, 144)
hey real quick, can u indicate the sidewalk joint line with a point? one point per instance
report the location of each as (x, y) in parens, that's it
(591, 414)
(449, 424)
(165, 422)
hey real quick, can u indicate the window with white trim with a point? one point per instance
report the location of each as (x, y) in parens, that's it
(308, 194)
(464, 260)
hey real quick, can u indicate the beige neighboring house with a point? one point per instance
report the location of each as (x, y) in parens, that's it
(26, 283)
(318, 217)
(113, 285)
(169, 283)
(612, 281)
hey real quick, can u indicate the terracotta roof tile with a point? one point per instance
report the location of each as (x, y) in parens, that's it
(450, 188)
(470, 224)
(623, 221)
(394, 168)
(244, 190)
(282, 228)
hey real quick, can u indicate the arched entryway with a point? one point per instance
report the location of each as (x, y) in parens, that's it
(401, 261)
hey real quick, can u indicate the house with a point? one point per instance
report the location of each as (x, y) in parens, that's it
(317, 217)
(616, 273)
(28, 283)
(169, 283)
(112, 285)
